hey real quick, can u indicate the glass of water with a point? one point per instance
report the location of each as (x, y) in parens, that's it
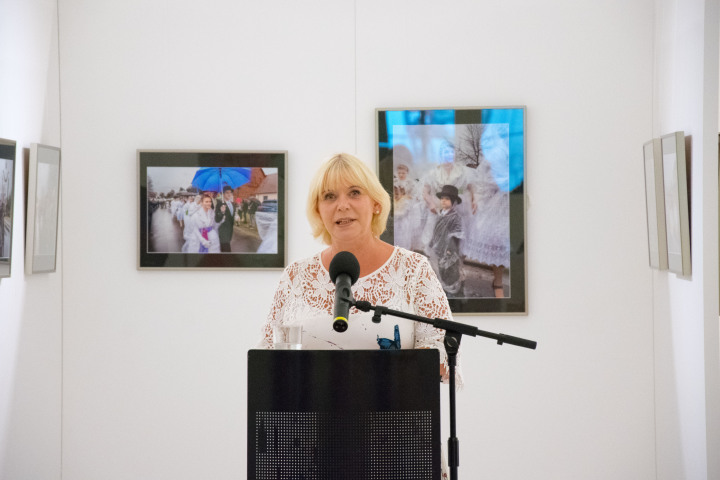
(287, 337)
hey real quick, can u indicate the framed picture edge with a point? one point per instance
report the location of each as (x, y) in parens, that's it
(525, 302)
(6, 266)
(658, 202)
(685, 267)
(282, 183)
(32, 204)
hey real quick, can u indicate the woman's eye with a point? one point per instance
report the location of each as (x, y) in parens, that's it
(328, 196)
(355, 193)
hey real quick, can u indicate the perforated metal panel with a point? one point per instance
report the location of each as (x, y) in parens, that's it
(377, 445)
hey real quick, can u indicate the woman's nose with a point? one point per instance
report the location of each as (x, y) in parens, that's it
(342, 203)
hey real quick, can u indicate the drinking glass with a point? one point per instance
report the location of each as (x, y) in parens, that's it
(287, 337)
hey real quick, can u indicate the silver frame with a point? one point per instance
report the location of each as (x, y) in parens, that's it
(36, 263)
(524, 287)
(6, 265)
(677, 218)
(655, 204)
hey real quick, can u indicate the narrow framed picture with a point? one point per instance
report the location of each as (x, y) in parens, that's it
(212, 209)
(457, 179)
(7, 185)
(655, 204)
(43, 209)
(677, 216)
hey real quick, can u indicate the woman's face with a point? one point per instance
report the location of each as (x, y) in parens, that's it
(347, 212)
(402, 173)
(447, 155)
(207, 203)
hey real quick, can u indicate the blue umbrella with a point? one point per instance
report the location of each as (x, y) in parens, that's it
(213, 179)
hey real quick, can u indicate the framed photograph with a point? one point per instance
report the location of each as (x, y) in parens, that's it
(7, 184)
(457, 179)
(655, 204)
(677, 219)
(212, 209)
(43, 209)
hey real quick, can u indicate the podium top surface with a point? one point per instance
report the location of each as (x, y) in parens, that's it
(332, 380)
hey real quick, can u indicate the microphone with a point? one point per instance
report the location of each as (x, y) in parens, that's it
(344, 272)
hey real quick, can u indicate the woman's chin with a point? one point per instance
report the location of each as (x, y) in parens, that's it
(346, 233)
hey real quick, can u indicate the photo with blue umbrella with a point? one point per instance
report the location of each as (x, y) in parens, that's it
(195, 210)
(212, 209)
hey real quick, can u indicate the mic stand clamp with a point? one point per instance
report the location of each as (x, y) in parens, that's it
(453, 334)
(379, 312)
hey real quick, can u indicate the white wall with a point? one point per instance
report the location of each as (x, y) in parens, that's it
(30, 305)
(581, 405)
(687, 363)
(154, 361)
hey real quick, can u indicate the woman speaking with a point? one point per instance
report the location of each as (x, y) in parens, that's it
(348, 209)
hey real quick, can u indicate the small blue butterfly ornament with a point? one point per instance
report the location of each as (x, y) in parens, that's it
(387, 344)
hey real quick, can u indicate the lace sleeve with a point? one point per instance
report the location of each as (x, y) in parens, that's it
(430, 301)
(276, 311)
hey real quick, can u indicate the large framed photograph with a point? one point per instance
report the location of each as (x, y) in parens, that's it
(655, 204)
(43, 209)
(7, 184)
(457, 178)
(677, 217)
(212, 209)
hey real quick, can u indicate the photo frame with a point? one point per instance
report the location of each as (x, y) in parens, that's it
(184, 216)
(677, 217)
(474, 157)
(43, 209)
(655, 204)
(7, 195)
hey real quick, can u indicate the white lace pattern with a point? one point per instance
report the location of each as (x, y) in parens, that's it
(406, 282)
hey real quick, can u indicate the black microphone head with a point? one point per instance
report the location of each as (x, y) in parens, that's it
(344, 262)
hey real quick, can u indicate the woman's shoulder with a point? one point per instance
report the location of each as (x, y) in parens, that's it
(312, 259)
(303, 266)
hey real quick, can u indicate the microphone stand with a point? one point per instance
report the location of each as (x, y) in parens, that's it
(453, 334)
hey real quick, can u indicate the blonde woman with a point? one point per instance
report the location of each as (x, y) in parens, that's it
(348, 209)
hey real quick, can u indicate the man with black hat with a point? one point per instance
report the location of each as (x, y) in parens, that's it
(445, 242)
(225, 209)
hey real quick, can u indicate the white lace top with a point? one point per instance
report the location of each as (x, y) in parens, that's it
(406, 282)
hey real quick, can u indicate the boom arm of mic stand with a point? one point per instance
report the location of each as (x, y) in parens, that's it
(453, 334)
(447, 325)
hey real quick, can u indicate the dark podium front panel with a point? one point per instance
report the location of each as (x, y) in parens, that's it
(348, 414)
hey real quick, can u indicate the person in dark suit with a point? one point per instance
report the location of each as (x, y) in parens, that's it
(252, 208)
(245, 206)
(225, 209)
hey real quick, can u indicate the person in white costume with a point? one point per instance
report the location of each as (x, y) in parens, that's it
(204, 237)
(192, 206)
(484, 210)
(175, 206)
(406, 211)
(266, 219)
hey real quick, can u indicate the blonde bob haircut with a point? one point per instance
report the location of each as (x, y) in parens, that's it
(345, 169)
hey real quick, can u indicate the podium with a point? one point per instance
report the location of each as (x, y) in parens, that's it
(343, 414)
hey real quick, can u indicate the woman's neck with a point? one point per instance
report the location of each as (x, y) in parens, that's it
(371, 254)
